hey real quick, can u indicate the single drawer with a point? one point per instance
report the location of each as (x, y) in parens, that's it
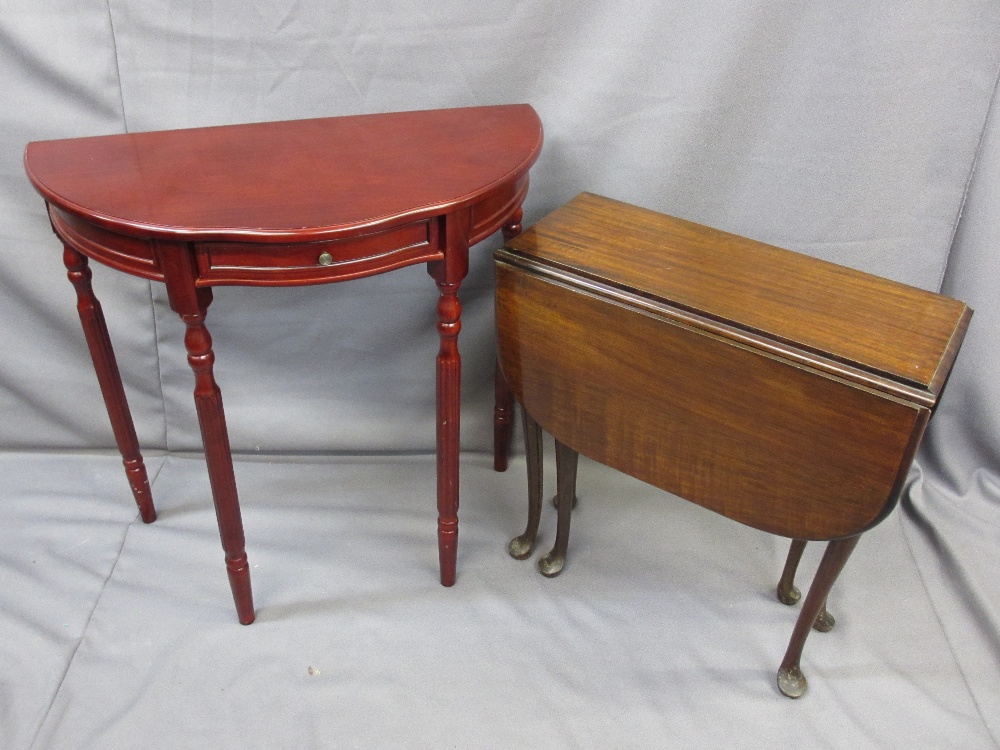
(265, 264)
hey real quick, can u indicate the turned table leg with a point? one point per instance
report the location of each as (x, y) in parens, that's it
(95, 330)
(449, 377)
(448, 275)
(520, 547)
(503, 409)
(552, 563)
(791, 681)
(218, 456)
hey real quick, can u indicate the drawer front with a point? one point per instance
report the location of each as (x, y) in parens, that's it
(766, 442)
(316, 262)
(129, 254)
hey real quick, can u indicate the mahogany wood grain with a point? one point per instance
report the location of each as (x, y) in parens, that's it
(819, 310)
(778, 390)
(289, 204)
(780, 448)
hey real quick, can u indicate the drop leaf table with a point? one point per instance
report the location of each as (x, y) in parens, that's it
(780, 390)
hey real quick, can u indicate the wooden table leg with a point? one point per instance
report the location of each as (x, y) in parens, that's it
(191, 303)
(520, 547)
(503, 409)
(95, 330)
(448, 274)
(552, 563)
(503, 415)
(789, 594)
(791, 681)
(212, 419)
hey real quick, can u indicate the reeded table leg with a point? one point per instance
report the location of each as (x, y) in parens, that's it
(95, 330)
(208, 401)
(552, 563)
(791, 681)
(503, 409)
(520, 547)
(449, 377)
(448, 275)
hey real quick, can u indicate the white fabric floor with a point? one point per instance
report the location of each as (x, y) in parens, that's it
(663, 631)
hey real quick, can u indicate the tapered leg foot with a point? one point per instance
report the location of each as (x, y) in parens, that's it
(239, 582)
(448, 550)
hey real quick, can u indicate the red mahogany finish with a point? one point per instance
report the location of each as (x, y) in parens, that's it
(285, 204)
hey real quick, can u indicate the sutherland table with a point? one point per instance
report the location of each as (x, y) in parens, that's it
(285, 204)
(782, 391)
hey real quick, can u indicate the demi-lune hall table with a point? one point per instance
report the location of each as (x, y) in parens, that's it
(286, 204)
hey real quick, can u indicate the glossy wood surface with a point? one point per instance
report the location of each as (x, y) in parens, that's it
(801, 306)
(287, 204)
(301, 180)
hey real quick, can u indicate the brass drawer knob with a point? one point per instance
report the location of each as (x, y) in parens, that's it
(325, 259)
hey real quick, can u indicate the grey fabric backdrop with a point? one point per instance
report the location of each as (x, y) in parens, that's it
(861, 133)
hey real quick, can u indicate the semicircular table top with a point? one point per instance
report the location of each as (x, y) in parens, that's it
(301, 179)
(287, 204)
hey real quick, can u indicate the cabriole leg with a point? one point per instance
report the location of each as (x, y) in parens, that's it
(95, 330)
(789, 594)
(218, 456)
(791, 681)
(552, 563)
(521, 547)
